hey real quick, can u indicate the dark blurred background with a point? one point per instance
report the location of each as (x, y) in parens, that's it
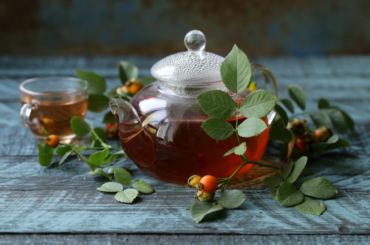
(157, 27)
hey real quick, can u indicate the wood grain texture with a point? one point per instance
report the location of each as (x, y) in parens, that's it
(63, 199)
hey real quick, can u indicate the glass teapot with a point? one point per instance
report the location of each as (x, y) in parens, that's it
(161, 129)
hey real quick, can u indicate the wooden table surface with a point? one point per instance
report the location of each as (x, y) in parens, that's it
(57, 205)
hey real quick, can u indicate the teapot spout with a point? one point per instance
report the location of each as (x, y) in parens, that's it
(125, 112)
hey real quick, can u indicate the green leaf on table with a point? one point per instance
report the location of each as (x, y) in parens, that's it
(190, 205)
(323, 104)
(287, 195)
(240, 149)
(288, 104)
(148, 80)
(282, 113)
(63, 149)
(272, 181)
(79, 126)
(217, 104)
(338, 121)
(296, 93)
(127, 71)
(279, 132)
(311, 206)
(218, 129)
(349, 121)
(298, 167)
(98, 102)
(339, 144)
(232, 199)
(273, 193)
(96, 172)
(143, 187)
(98, 157)
(321, 146)
(92, 166)
(45, 154)
(64, 157)
(258, 104)
(122, 176)
(251, 127)
(200, 209)
(287, 170)
(283, 153)
(236, 70)
(229, 152)
(109, 118)
(319, 187)
(318, 118)
(126, 196)
(110, 187)
(97, 84)
(101, 134)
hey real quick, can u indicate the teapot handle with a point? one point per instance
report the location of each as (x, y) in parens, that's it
(270, 85)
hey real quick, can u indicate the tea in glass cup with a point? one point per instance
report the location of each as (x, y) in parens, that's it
(49, 103)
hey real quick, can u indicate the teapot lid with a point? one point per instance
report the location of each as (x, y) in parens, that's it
(194, 66)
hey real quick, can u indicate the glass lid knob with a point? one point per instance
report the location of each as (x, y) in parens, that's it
(195, 41)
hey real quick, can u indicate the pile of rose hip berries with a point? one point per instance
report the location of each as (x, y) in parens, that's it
(306, 137)
(206, 187)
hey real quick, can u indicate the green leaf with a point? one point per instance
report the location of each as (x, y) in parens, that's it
(287, 170)
(231, 151)
(319, 187)
(338, 121)
(288, 104)
(126, 196)
(318, 118)
(97, 84)
(200, 209)
(251, 127)
(240, 149)
(109, 118)
(232, 199)
(96, 172)
(272, 181)
(92, 166)
(349, 121)
(339, 144)
(98, 102)
(110, 187)
(282, 113)
(323, 104)
(296, 93)
(122, 176)
(321, 146)
(143, 187)
(98, 157)
(45, 154)
(63, 149)
(101, 134)
(273, 193)
(218, 129)
(64, 157)
(283, 153)
(258, 104)
(236, 70)
(311, 206)
(298, 167)
(148, 80)
(217, 104)
(79, 126)
(279, 132)
(127, 71)
(288, 195)
(189, 207)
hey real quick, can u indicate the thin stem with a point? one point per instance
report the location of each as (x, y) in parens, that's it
(237, 117)
(264, 165)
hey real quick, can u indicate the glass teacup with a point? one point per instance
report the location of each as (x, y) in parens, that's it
(49, 103)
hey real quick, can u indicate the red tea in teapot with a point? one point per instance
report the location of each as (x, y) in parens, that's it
(175, 150)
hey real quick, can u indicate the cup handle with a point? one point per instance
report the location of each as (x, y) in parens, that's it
(25, 114)
(270, 85)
